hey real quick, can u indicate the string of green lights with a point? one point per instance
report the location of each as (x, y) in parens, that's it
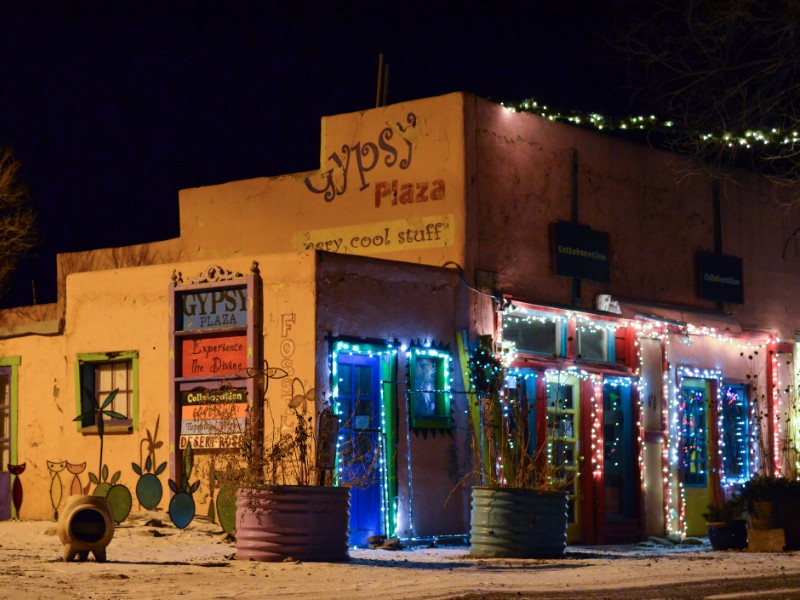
(777, 137)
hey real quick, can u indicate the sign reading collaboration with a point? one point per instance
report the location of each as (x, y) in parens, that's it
(213, 416)
(581, 252)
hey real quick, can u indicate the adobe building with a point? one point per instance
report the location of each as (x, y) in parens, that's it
(647, 308)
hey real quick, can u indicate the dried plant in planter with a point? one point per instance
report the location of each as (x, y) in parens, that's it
(519, 510)
(294, 444)
(503, 445)
(287, 503)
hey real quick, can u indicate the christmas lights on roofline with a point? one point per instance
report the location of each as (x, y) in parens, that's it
(739, 140)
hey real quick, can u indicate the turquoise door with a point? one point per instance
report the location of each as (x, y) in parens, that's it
(361, 442)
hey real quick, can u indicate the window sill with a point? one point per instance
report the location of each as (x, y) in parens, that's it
(115, 428)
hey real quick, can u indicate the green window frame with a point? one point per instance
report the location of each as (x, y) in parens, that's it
(429, 388)
(96, 375)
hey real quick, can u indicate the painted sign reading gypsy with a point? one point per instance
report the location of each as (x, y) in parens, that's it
(366, 156)
(213, 309)
(214, 356)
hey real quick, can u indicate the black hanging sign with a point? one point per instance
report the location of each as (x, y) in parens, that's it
(581, 252)
(720, 277)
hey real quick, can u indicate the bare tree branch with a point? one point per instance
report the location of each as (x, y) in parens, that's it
(720, 66)
(17, 219)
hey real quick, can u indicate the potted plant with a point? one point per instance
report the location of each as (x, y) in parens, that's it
(287, 503)
(519, 510)
(762, 494)
(773, 502)
(727, 528)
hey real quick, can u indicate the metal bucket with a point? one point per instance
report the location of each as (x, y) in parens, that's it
(518, 523)
(307, 523)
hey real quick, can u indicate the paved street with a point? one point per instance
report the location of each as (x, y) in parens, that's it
(727, 588)
(149, 558)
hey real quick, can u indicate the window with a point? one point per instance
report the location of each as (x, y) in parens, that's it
(429, 387)
(595, 342)
(694, 454)
(536, 333)
(735, 447)
(100, 374)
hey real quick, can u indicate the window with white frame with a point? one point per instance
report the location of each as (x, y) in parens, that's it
(536, 333)
(98, 375)
(595, 341)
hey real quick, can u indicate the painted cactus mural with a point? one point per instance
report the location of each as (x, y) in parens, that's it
(182, 507)
(149, 489)
(119, 497)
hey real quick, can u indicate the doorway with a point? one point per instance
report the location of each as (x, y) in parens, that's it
(618, 449)
(8, 433)
(362, 444)
(562, 413)
(695, 395)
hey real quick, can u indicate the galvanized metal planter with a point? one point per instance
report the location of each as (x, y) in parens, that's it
(308, 523)
(518, 523)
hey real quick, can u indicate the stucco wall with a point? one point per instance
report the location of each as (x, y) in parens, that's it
(125, 310)
(657, 208)
(407, 303)
(391, 183)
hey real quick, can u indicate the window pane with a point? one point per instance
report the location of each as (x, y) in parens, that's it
(735, 433)
(693, 435)
(105, 380)
(559, 397)
(4, 428)
(5, 456)
(345, 380)
(121, 403)
(363, 382)
(618, 461)
(534, 335)
(593, 344)
(120, 371)
(424, 396)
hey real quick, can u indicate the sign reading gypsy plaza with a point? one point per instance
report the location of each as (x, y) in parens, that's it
(212, 309)
(213, 356)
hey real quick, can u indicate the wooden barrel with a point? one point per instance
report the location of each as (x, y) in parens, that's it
(518, 523)
(307, 523)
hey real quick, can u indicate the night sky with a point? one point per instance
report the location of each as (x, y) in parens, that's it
(112, 107)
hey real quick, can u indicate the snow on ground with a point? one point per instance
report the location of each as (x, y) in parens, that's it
(148, 559)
